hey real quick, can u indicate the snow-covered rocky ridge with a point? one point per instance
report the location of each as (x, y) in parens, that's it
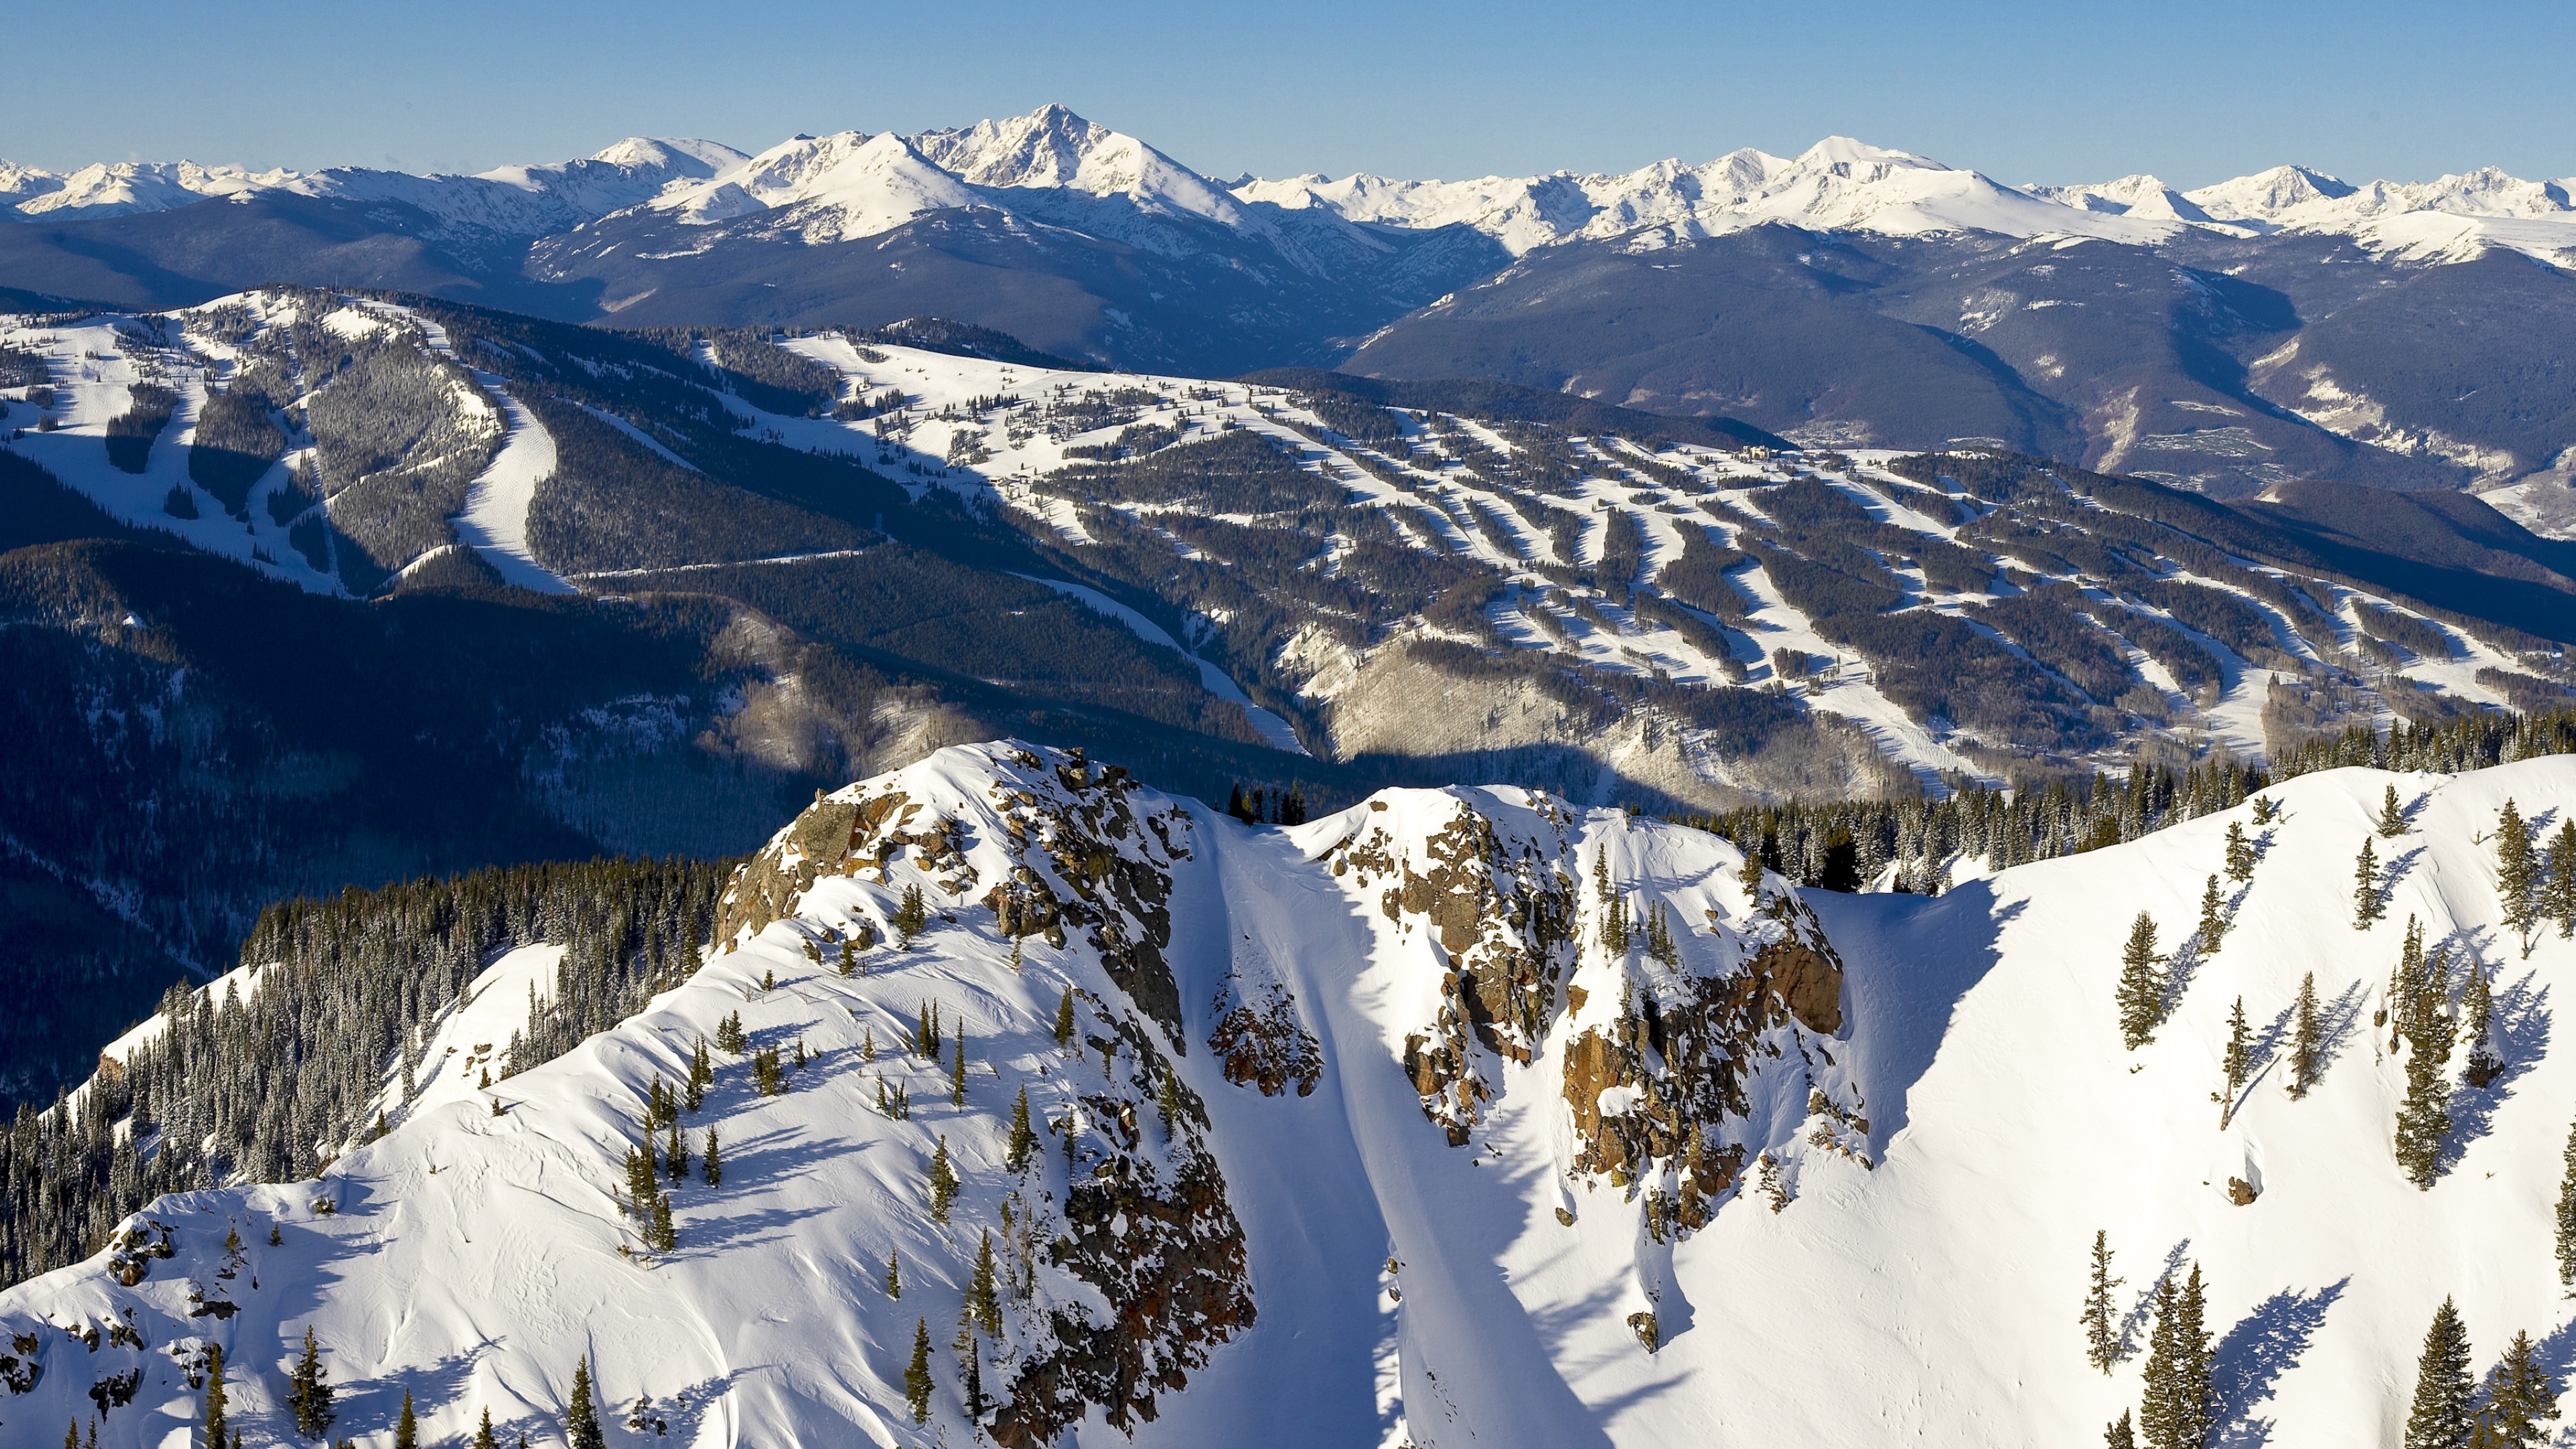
(1438, 1162)
(853, 184)
(518, 200)
(1840, 184)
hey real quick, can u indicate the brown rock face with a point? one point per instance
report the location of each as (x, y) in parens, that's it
(1806, 981)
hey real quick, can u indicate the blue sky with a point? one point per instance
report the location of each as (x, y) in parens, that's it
(2193, 92)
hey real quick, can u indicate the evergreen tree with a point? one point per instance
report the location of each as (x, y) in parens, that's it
(2567, 1216)
(406, 1428)
(2213, 919)
(1167, 1101)
(849, 959)
(2423, 1121)
(662, 1236)
(675, 1154)
(1064, 1020)
(483, 1433)
(2307, 1040)
(714, 1163)
(894, 1276)
(309, 1391)
(2518, 877)
(2558, 896)
(2477, 1010)
(2178, 1412)
(911, 917)
(2101, 1337)
(581, 1416)
(1023, 1140)
(2119, 1435)
(2240, 854)
(2443, 1389)
(2392, 818)
(973, 1370)
(1748, 874)
(2367, 906)
(2520, 1398)
(2238, 1061)
(957, 1073)
(916, 1375)
(2141, 993)
(983, 1297)
(215, 1397)
(943, 1182)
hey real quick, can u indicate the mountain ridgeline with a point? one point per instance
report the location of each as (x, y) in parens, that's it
(630, 590)
(1467, 1109)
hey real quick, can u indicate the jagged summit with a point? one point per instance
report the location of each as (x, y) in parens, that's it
(1401, 1107)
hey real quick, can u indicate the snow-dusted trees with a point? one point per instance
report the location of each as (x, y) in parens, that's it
(2240, 854)
(2521, 1398)
(2392, 816)
(916, 1374)
(943, 1182)
(2423, 1121)
(2178, 1410)
(269, 1083)
(2567, 1215)
(2477, 1012)
(2213, 918)
(2518, 878)
(911, 917)
(2141, 993)
(2238, 1062)
(581, 1416)
(2100, 1317)
(2440, 1418)
(1021, 1149)
(2307, 1039)
(2558, 896)
(215, 1396)
(309, 1391)
(2368, 902)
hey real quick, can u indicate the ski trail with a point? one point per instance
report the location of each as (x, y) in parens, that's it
(495, 521)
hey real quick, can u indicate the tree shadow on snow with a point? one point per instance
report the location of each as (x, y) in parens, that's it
(2338, 1019)
(366, 1405)
(2522, 1034)
(2134, 1323)
(2254, 1355)
(2399, 866)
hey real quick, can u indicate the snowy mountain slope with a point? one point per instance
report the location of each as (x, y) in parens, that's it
(1573, 557)
(1429, 1257)
(520, 200)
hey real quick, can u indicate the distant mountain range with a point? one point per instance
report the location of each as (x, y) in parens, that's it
(2275, 327)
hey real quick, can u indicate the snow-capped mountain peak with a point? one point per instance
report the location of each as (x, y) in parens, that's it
(2267, 196)
(1051, 148)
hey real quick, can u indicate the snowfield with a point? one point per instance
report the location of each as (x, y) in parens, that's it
(1918, 1281)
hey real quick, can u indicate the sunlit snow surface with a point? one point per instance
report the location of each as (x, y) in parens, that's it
(1931, 1300)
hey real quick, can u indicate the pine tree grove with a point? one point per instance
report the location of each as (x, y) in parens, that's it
(245, 1086)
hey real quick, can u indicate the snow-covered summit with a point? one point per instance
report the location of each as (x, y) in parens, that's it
(1381, 1107)
(520, 200)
